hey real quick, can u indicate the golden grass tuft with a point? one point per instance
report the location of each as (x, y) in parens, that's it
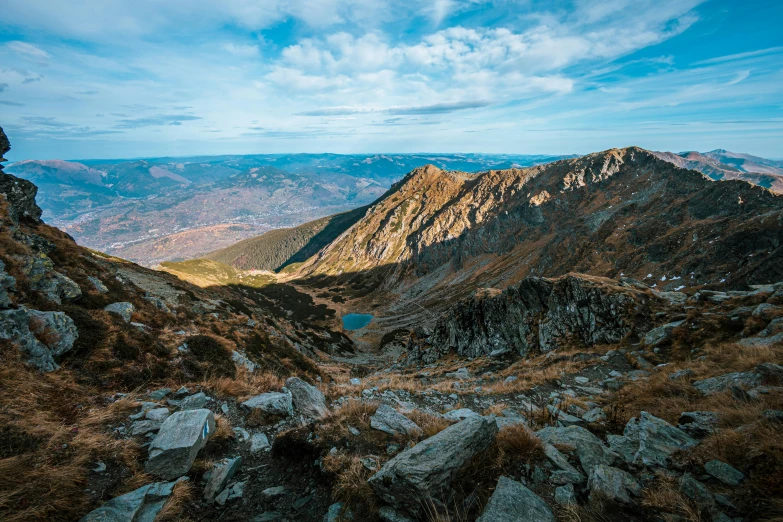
(183, 494)
(518, 444)
(350, 485)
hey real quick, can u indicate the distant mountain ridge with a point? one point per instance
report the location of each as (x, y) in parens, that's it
(722, 164)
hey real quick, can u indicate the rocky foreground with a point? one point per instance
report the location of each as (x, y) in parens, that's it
(128, 395)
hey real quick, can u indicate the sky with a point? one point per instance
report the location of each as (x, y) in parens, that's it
(145, 78)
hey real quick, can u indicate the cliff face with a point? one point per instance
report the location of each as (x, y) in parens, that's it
(537, 315)
(19, 193)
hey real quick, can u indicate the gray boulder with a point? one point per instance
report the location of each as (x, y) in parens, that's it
(223, 471)
(698, 423)
(140, 505)
(744, 380)
(612, 484)
(761, 341)
(179, 440)
(42, 277)
(390, 421)
(7, 284)
(389, 514)
(307, 399)
(275, 403)
(654, 440)
(697, 492)
(513, 502)
(194, 402)
(565, 495)
(561, 462)
(589, 448)
(25, 327)
(724, 472)
(424, 472)
(259, 442)
(123, 309)
(98, 284)
(661, 334)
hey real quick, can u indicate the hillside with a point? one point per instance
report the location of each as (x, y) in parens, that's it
(439, 235)
(721, 164)
(279, 248)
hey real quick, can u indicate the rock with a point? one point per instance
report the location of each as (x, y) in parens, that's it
(425, 471)
(660, 335)
(697, 492)
(7, 284)
(98, 284)
(240, 434)
(510, 379)
(566, 477)
(194, 402)
(767, 311)
(761, 342)
(355, 381)
(581, 380)
(157, 414)
(742, 380)
(589, 448)
(123, 309)
(513, 502)
(140, 505)
(559, 460)
(179, 440)
(536, 313)
(274, 403)
(25, 327)
(235, 490)
(563, 418)
(240, 359)
(612, 484)
(724, 472)
(654, 439)
(353, 431)
(274, 492)
(681, 374)
(143, 427)
(42, 277)
(565, 495)
(20, 195)
(461, 373)
(223, 471)
(460, 414)
(158, 303)
(259, 442)
(389, 514)
(698, 423)
(594, 415)
(774, 415)
(334, 513)
(388, 420)
(268, 516)
(775, 326)
(307, 399)
(160, 394)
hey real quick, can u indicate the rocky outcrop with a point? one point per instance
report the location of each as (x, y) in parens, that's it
(42, 277)
(424, 473)
(179, 440)
(219, 475)
(42, 336)
(19, 193)
(589, 448)
(536, 314)
(650, 441)
(124, 310)
(274, 403)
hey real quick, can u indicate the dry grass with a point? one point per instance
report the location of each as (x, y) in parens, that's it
(665, 496)
(350, 485)
(516, 444)
(430, 424)
(223, 428)
(244, 385)
(184, 493)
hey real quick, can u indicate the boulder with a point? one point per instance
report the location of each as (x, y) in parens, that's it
(307, 399)
(42, 277)
(589, 448)
(513, 502)
(743, 380)
(697, 492)
(41, 336)
(761, 341)
(424, 472)
(275, 403)
(654, 440)
(98, 285)
(698, 423)
(388, 420)
(140, 505)
(223, 471)
(660, 335)
(259, 442)
(612, 484)
(123, 309)
(724, 472)
(194, 402)
(20, 195)
(565, 495)
(7, 284)
(179, 440)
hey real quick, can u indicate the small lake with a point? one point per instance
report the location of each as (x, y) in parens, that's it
(356, 321)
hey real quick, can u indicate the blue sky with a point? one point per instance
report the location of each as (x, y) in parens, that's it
(120, 78)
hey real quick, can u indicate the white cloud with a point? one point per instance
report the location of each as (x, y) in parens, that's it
(28, 50)
(242, 50)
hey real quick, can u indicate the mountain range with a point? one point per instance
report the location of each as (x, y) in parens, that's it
(168, 209)
(592, 338)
